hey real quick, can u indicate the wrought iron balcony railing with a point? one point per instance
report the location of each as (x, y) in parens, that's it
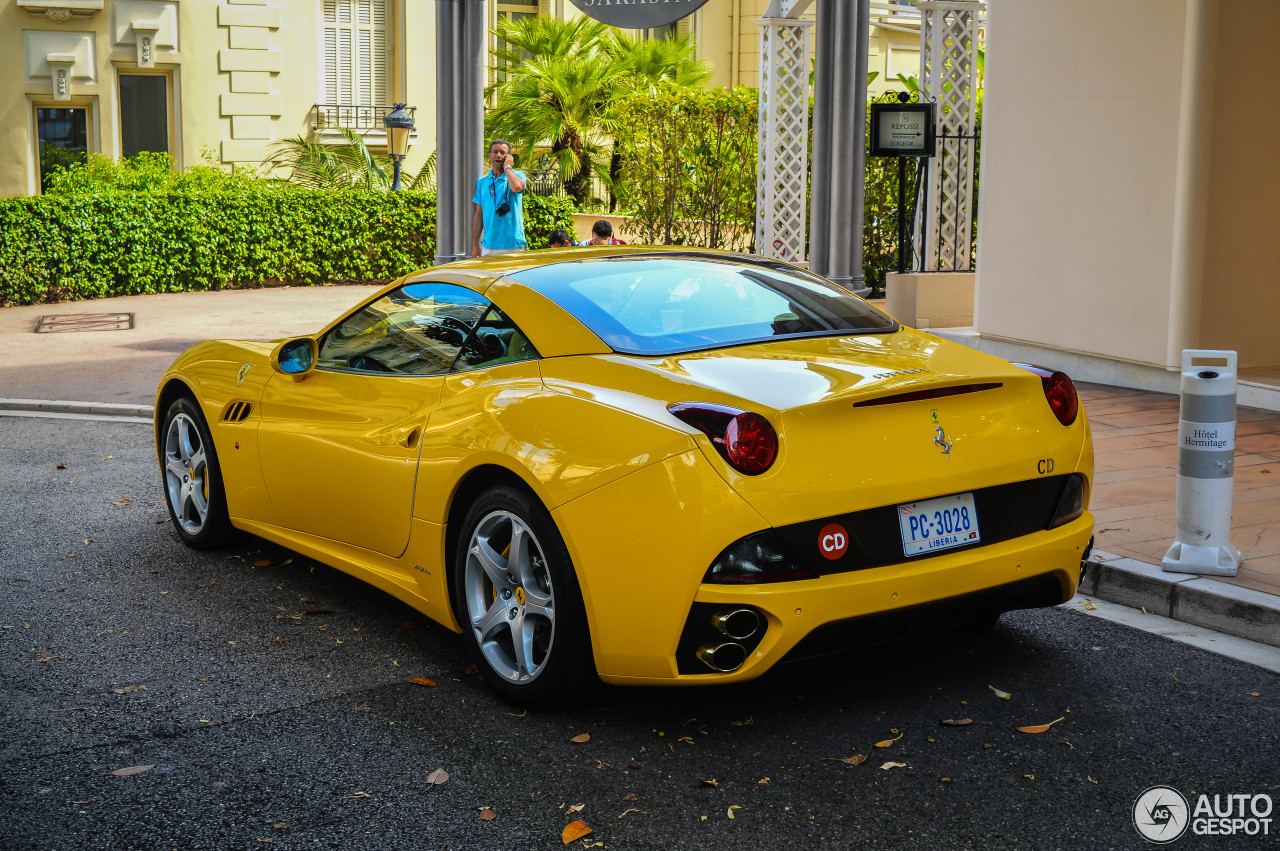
(359, 117)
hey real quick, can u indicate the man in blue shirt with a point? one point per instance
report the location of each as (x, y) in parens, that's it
(499, 209)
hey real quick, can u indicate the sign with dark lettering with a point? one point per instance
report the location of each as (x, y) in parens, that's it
(638, 14)
(902, 130)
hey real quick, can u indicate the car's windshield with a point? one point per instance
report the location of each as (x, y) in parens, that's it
(664, 304)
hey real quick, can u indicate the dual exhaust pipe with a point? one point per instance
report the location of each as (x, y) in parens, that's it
(737, 625)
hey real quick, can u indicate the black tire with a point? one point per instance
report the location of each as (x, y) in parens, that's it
(192, 479)
(535, 593)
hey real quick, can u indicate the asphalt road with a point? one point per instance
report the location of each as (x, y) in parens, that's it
(271, 727)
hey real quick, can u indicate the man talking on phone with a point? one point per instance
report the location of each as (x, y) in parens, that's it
(499, 211)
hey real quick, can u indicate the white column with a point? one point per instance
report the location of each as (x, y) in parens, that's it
(949, 78)
(784, 138)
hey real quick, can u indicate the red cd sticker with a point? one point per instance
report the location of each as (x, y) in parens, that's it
(833, 541)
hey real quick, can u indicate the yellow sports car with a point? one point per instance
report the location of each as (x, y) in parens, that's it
(657, 466)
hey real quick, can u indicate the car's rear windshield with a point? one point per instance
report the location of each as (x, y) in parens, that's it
(664, 304)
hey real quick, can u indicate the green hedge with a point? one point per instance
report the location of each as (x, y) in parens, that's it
(80, 246)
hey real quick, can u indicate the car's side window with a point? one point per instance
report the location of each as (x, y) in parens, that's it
(496, 340)
(417, 329)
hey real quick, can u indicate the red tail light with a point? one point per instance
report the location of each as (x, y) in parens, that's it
(1059, 391)
(746, 440)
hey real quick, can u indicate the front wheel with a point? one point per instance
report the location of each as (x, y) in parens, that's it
(192, 479)
(518, 601)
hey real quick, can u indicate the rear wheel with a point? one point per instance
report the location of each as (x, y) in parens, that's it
(518, 601)
(192, 479)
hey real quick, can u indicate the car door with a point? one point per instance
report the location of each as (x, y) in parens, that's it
(340, 444)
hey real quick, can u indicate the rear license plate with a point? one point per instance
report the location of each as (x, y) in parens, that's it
(938, 524)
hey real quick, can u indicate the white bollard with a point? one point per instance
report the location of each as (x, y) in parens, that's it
(1206, 465)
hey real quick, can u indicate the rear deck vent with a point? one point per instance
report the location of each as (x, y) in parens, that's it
(237, 412)
(936, 393)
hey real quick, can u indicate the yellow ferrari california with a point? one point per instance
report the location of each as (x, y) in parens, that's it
(654, 466)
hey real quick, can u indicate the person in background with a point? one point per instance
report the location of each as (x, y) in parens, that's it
(602, 234)
(499, 208)
(560, 239)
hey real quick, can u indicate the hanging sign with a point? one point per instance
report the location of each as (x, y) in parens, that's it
(638, 14)
(902, 130)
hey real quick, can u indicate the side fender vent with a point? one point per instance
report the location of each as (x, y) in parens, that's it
(237, 412)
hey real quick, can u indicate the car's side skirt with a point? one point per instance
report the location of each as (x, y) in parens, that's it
(416, 578)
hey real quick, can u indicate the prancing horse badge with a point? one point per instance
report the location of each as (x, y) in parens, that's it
(940, 438)
(244, 370)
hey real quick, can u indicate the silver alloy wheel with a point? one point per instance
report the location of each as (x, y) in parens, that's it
(186, 474)
(509, 597)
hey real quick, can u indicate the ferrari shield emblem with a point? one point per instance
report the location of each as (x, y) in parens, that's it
(244, 370)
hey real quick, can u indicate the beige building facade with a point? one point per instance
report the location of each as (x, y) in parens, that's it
(221, 80)
(1128, 210)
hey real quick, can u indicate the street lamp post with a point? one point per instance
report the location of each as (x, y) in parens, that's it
(399, 124)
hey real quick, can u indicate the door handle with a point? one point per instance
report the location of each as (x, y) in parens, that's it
(411, 439)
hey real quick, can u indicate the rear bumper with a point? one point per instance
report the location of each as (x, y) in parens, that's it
(1039, 569)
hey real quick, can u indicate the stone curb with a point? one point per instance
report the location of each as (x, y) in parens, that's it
(1198, 600)
(103, 409)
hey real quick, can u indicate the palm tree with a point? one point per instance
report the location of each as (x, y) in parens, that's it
(346, 164)
(557, 80)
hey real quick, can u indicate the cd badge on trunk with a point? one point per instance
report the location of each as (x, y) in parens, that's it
(940, 438)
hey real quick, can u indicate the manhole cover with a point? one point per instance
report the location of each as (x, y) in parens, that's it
(85, 322)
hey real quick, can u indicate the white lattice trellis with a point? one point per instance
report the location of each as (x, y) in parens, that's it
(784, 138)
(949, 32)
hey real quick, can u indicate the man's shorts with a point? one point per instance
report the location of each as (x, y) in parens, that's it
(485, 252)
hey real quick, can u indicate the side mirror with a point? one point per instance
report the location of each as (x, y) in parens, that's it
(295, 357)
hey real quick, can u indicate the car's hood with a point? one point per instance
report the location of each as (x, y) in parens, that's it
(777, 376)
(839, 453)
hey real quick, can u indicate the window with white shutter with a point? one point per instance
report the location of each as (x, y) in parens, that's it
(355, 52)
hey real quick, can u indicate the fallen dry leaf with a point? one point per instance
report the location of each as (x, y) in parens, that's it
(1038, 728)
(631, 810)
(856, 759)
(765, 780)
(437, 777)
(264, 562)
(958, 722)
(128, 689)
(574, 831)
(749, 720)
(888, 742)
(358, 795)
(124, 500)
(581, 737)
(945, 779)
(62, 466)
(711, 782)
(889, 765)
(423, 681)
(1255, 694)
(1003, 695)
(1089, 606)
(1029, 776)
(733, 807)
(487, 814)
(132, 770)
(576, 808)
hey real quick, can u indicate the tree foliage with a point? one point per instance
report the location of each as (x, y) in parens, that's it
(560, 83)
(688, 166)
